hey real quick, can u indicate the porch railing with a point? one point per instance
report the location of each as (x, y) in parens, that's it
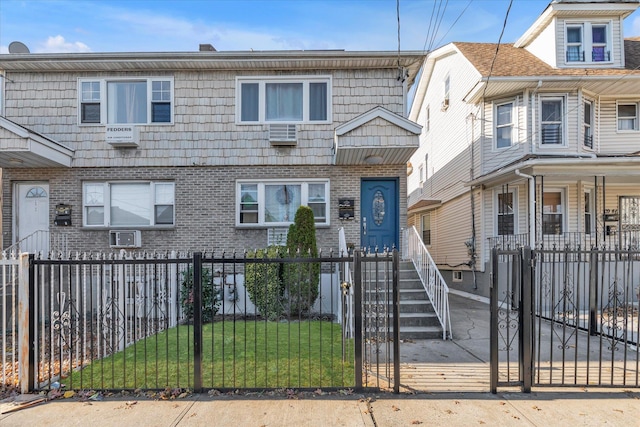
(570, 240)
(435, 286)
(38, 241)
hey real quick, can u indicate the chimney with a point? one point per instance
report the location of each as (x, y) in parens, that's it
(206, 47)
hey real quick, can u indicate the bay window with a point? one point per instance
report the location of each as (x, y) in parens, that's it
(274, 203)
(128, 204)
(291, 99)
(551, 121)
(125, 101)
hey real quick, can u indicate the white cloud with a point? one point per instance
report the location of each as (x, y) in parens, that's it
(58, 44)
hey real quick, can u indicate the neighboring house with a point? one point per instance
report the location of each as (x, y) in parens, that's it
(203, 150)
(532, 143)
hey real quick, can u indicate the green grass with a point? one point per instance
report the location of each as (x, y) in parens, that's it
(241, 354)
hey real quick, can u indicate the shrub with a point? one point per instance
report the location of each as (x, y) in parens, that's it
(263, 282)
(301, 279)
(210, 296)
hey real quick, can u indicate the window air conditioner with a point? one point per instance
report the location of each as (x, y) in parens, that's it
(125, 239)
(283, 134)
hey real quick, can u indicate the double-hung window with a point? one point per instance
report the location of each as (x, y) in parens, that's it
(599, 47)
(506, 213)
(126, 101)
(551, 121)
(587, 124)
(552, 212)
(128, 204)
(575, 50)
(504, 125)
(627, 116)
(274, 203)
(425, 220)
(291, 99)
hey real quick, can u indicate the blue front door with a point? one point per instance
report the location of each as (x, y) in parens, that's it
(379, 226)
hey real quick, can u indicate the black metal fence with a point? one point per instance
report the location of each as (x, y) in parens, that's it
(565, 317)
(201, 321)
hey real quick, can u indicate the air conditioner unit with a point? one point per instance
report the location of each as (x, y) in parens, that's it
(125, 239)
(283, 134)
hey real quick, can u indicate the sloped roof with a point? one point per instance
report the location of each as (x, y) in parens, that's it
(517, 62)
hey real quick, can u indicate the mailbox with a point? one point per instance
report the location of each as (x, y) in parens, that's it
(346, 208)
(63, 215)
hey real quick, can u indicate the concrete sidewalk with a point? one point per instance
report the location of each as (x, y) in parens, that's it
(440, 409)
(444, 383)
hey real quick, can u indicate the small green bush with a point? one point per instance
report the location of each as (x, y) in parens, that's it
(301, 279)
(263, 282)
(210, 296)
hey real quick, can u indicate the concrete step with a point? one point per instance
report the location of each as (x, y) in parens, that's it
(420, 332)
(418, 319)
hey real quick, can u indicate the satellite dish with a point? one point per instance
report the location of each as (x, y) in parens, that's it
(18, 47)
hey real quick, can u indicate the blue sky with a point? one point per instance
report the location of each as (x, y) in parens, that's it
(173, 25)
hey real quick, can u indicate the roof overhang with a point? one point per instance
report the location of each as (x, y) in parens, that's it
(302, 60)
(24, 148)
(424, 205)
(357, 144)
(622, 169)
(610, 85)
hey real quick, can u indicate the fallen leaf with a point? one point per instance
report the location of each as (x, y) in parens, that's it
(395, 408)
(69, 393)
(536, 408)
(416, 422)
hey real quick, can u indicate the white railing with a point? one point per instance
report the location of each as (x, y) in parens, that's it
(11, 318)
(39, 242)
(435, 286)
(347, 287)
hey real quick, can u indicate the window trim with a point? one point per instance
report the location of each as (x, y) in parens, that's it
(304, 200)
(106, 204)
(263, 80)
(635, 119)
(104, 101)
(496, 126)
(588, 126)
(496, 203)
(587, 43)
(563, 121)
(430, 229)
(563, 212)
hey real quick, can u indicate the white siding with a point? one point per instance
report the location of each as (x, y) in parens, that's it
(540, 46)
(494, 158)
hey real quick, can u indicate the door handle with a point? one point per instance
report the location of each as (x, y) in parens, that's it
(364, 225)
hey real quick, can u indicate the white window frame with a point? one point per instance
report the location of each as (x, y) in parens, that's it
(262, 81)
(423, 229)
(446, 93)
(497, 125)
(563, 208)
(580, 44)
(588, 192)
(496, 203)
(587, 44)
(304, 200)
(104, 101)
(634, 119)
(587, 128)
(562, 121)
(106, 204)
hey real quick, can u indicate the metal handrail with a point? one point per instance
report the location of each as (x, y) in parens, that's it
(433, 282)
(42, 238)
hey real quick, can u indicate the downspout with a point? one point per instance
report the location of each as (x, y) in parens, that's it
(405, 99)
(532, 206)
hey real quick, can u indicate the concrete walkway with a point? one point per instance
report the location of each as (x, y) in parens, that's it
(444, 383)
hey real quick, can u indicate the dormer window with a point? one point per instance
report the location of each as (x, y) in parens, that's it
(588, 42)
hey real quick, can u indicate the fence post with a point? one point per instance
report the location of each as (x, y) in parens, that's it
(26, 323)
(357, 308)
(526, 319)
(593, 291)
(493, 323)
(396, 323)
(197, 322)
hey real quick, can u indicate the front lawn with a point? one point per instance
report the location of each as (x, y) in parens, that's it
(240, 354)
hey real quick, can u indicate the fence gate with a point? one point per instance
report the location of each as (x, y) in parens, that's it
(565, 317)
